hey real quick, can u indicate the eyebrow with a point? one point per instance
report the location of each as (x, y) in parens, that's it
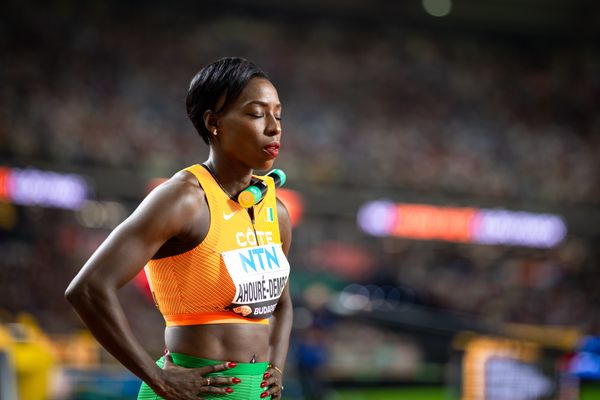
(261, 103)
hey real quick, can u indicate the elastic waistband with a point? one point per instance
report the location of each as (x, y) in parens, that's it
(187, 361)
(223, 317)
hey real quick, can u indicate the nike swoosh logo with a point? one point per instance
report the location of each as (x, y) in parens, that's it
(227, 217)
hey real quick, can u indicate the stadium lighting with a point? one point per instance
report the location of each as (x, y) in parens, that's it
(437, 8)
(461, 224)
(32, 187)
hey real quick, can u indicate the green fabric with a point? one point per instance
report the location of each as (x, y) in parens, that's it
(250, 374)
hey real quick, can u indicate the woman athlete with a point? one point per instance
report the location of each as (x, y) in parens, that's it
(218, 272)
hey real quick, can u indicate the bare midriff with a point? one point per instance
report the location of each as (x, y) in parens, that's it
(221, 342)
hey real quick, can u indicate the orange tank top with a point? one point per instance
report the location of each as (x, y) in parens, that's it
(237, 273)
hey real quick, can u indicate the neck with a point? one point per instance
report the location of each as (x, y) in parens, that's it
(233, 179)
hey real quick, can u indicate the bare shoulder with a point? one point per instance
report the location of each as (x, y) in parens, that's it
(282, 211)
(174, 204)
(182, 190)
(183, 184)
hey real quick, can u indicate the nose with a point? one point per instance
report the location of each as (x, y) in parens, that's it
(273, 127)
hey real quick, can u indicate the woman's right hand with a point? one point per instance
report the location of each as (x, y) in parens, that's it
(179, 383)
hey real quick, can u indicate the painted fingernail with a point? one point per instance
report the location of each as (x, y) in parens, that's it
(266, 375)
(236, 380)
(231, 364)
(263, 395)
(166, 351)
(263, 384)
(229, 390)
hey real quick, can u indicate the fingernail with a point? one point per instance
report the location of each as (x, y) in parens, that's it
(236, 380)
(166, 351)
(266, 375)
(263, 384)
(263, 395)
(231, 364)
(229, 390)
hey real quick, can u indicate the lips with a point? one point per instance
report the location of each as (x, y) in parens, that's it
(272, 149)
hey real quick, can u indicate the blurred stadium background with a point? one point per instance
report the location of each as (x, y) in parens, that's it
(443, 168)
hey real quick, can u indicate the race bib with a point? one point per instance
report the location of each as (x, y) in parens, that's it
(259, 275)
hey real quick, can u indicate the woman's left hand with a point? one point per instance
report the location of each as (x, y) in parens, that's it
(273, 383)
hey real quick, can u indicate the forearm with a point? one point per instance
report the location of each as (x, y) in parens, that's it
(101, 311)
(281, 327)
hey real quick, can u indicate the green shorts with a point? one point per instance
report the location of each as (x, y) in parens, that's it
(250, 374)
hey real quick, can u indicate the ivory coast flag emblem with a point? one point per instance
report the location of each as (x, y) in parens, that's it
(270, 216)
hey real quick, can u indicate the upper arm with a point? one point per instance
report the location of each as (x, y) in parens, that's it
(285, 233)
(166, 212)
(285, 226)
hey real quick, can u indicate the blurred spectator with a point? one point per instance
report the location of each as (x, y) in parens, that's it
(437, 115)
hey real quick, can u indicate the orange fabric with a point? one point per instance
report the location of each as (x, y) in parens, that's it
(223, 317)
(195, 287)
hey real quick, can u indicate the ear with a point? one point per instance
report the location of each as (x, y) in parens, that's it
(211, 122)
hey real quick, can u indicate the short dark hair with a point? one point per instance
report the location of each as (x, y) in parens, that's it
(228, 76)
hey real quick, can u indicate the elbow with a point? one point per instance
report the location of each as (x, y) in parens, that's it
(74, 292)
(81, 291)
